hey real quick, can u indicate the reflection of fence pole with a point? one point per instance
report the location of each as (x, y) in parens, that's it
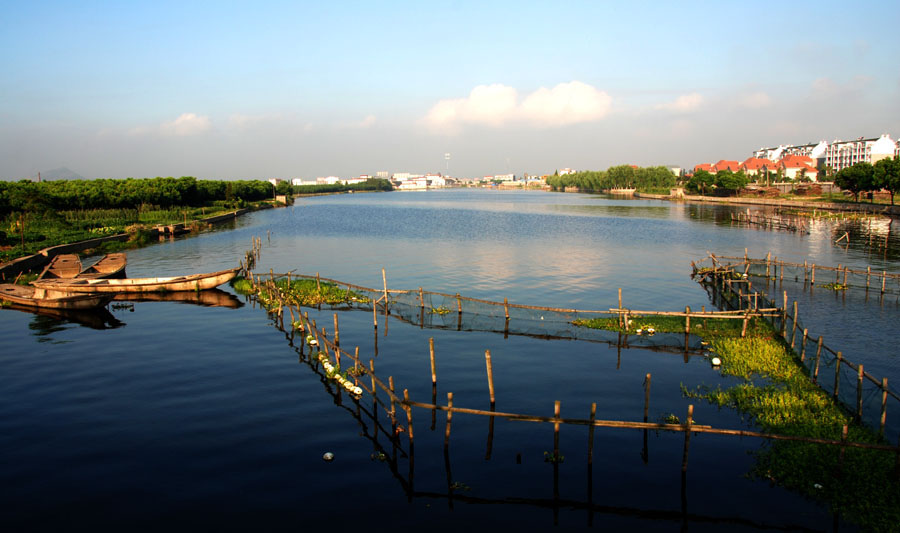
(409, 422)
(687, 437)
(449, 419)
(591, 431)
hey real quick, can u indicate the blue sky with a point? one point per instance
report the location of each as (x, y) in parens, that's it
(294, 89)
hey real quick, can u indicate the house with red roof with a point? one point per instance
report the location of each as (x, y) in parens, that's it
(756, 166)
(724, 164)
(795, 166)
(704, 166)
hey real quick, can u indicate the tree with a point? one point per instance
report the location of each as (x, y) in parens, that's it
(731, 181)
(886, 175)
(855, 178)
(701, 181)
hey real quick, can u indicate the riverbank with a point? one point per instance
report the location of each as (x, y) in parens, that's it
(876, 209)
(13, 268)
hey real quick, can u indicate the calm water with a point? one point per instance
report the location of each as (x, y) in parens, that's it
(207, 418)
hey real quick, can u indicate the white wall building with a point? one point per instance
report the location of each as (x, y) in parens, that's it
(837, 154)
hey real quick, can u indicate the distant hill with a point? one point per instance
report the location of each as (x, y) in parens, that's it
(61, 173)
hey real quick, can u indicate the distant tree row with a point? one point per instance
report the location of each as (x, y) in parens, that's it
(865, 177)
(617, 177)
(126, 193)
(371, 184)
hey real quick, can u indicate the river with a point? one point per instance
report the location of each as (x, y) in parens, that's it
(207, 418)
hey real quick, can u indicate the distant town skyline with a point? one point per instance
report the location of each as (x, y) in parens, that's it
(303, 89)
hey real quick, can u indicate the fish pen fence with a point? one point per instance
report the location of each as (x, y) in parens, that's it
(381, 420)
(864, 395)
(831, 277)
(776, 222)
(362, 380)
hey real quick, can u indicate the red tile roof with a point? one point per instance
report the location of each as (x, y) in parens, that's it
(703, 166)
(756, 163)
(725, 164)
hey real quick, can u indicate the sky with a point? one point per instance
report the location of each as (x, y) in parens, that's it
(241, 90)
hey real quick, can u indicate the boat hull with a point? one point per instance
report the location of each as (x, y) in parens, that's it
(51, 299)
(194, 282)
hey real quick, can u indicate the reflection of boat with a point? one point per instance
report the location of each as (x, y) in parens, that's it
(62, 266)
(98, 318)
(109, 266)
(193, 282)
(207, 298)
(50, 298)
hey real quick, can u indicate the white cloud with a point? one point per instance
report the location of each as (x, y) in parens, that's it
(186, 124)
(757, 100)
(683, 104)
(497, 105)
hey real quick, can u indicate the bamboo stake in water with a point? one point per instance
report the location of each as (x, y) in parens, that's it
(803, 348)
(556, 431)
(433, 370)
(490, 374)
(818, 357)
(337, 338)
(408, 409)
(687, 437)
(449, 419)
(646, 396)
(859, 388)
(837, 373)
(591, 432)
(884, 397)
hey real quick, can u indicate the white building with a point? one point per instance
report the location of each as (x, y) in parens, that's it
(275, 181)
(837, 154)
(299, 181)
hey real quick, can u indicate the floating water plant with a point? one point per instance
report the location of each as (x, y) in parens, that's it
(441, 310)
(835, 286)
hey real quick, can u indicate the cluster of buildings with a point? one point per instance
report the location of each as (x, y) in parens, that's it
(411, 181)
(808, 160)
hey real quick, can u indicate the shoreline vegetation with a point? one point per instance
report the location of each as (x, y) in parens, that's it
(775, 394)
(129, 213)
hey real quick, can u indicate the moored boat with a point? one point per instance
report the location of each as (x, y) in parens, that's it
(32, 296)
(62, 266)
(109, 266)
(193, 282)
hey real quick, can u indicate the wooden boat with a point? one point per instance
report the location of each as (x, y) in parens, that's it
(50, 298)
(194, 282)
(62, 266)
(109, 266)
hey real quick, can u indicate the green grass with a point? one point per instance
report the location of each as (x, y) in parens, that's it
(64, 227)
(777, 395)
(304, 292)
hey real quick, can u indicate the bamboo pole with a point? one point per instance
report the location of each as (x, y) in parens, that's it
(409, 421)
(813, 282)
(794, 327)
(556, 431)
(458, 304)
(687, 437)
(384, 279)
(421, 298)
(372, 375)
(883, 279)
(433, 369)
(884, 397)
(837, 374)
(646, 396)
(449, 419)
(590, 433)
(506, 308)
(490, 374)
(803, 348)
(818, 357)
(859, 395)
(687, 319)
(337, 338)
(393, 406)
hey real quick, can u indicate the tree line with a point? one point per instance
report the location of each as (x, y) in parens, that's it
(130, 193)
(865, 177)
(616, 177)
